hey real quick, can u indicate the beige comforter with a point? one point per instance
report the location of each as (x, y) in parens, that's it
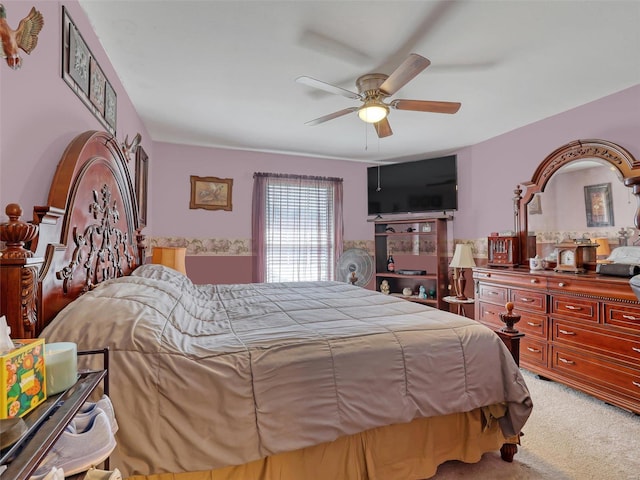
(208, 376)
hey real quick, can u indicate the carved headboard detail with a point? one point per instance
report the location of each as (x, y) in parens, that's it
(101, 250)
(88, 233)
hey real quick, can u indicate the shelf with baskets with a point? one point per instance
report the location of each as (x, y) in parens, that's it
(419, 250)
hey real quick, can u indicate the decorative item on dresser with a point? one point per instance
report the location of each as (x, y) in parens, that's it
(582, 329)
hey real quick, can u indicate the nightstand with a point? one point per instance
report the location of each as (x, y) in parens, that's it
(460, 303)
(48, 420)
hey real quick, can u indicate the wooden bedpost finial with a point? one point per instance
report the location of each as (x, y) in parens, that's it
(509, 319)
(15, 233)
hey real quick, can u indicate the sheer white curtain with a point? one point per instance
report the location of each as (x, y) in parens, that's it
(297, 227)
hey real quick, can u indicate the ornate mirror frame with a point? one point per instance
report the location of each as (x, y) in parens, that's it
(614, 154)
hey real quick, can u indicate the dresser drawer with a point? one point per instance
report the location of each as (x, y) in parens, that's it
(626, 316)
(532, 325)
(622, 346)
(610, 377)
(493, 294)
(529, 300)
(524, 280)
(533, 352)
(578, 308)
(490, 314)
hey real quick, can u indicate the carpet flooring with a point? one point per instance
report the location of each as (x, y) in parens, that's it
(569, 436)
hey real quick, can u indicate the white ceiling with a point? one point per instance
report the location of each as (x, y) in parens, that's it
(222, 73)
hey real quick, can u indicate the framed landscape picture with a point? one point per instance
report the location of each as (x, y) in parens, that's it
(211, 193)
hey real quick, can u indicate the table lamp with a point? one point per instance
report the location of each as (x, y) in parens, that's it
(603, 250)
(462, 258)
(172, 257)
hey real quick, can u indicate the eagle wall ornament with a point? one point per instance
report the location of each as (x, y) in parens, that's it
(25, 37)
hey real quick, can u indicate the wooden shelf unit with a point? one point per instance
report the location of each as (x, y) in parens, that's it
(423, 247)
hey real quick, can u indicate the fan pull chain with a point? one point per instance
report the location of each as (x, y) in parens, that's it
(366, 138)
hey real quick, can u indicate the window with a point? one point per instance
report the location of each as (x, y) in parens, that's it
(297, 222)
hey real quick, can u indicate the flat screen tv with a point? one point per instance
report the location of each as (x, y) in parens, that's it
(429, 185)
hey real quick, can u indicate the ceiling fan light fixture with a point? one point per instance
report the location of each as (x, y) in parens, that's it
(373, 111)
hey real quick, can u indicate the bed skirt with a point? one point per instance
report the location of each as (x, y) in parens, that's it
(396, 452)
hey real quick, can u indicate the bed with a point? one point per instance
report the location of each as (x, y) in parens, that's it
(257, 381)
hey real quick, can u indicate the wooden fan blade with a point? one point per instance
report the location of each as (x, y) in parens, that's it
(426, 106)
(327, 87)
(331, 116)
(383, 129)
(411, 67)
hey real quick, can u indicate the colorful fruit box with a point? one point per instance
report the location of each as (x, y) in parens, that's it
(22, 378)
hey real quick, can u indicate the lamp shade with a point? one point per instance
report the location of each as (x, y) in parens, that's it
(172, 257)
(462, 257)
(603, 249)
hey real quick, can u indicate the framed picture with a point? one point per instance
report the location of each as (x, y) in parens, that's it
(82, 73)
(142, 173)
(110, 106)
(97, 84)
(211, 193)
(79, 60)
(598, 205)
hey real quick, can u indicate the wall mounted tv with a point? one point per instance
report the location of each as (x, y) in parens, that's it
(420, 186)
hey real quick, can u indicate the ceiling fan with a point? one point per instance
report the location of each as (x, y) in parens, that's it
(374, 88)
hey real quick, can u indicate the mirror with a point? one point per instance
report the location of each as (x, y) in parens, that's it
(585, 189)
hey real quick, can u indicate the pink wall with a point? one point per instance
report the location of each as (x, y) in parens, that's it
(40, 114)
(174, 164)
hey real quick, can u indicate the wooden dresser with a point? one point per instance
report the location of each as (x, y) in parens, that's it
(582, 330)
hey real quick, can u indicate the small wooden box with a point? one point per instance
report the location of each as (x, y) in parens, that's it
(503, 251)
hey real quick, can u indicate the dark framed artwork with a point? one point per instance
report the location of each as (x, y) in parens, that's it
(211, 193)
(598, 205)
(98, 83)
(110, 106)
(142, 174)
(82, 73)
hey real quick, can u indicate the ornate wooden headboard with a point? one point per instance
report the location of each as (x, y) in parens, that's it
(89, 232)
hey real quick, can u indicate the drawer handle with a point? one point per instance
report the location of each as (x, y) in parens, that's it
(493, 293)
(636, 383)
(561, 284)
(526, 300)
(566, 332)
(568, 362)
(630, 317)
(635, 349)
(573, 307)
(534, 280)
(534, 350)
(532, 324)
